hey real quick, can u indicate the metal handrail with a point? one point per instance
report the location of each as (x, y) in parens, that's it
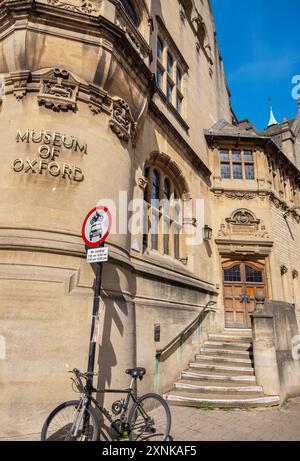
(207, 308)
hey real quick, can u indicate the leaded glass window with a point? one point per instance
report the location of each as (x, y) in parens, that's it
(233, 274)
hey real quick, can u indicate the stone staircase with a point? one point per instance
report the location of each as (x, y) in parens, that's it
(222, 376)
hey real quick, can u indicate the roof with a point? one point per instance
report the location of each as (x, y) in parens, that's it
(244, 129)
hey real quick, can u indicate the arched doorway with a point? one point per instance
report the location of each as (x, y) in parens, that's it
(241, 279)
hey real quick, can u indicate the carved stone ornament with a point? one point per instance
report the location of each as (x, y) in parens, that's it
(122, 122)
(280, 204)
(283, 270)
(240, 195)
(99, 100)
(243, 217)
(244, 223)
(91, 7)
(58, 91)
(20, 80)
(143, 183)
(295, 274)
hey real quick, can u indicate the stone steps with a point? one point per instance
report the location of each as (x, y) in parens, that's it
(222, 376)
(228, 345)
(217, 359)
(230, 338)
(222, 368)
(207, 387)
(220, 400)
(226, 353)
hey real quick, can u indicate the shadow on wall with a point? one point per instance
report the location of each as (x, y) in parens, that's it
(117, 346)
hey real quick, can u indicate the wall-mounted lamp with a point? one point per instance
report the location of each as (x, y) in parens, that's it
(207, 233)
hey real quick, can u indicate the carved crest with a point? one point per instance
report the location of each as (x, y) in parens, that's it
(122, 122)
(243, 223)
(243, 217)
(58, 91)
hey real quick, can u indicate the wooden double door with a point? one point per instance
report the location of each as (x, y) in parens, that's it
(242, 279)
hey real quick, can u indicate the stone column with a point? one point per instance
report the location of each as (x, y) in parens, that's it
(265, 360)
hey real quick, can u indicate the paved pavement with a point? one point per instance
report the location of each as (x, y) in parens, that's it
(190, 424)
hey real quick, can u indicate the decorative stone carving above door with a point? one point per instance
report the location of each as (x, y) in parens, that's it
(243, 223)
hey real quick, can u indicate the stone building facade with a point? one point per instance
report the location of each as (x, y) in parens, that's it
(118, 100)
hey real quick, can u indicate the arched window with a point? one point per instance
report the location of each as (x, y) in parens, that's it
(163, 214)
(130, 10)
(155, 186)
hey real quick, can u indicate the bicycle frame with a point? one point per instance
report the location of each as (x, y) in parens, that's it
(88, 398)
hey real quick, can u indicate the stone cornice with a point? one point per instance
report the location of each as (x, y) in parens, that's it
(241, 247)
(251, 194)
(70, 244)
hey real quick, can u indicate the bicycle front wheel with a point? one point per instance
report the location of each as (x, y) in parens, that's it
(149, 419)
(59, 425)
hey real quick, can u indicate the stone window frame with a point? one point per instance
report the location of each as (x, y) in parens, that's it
(242, 163)
(168, 78)
(282, 181)
(172, 245)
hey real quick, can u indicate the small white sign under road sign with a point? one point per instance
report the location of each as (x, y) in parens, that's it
(97, 255)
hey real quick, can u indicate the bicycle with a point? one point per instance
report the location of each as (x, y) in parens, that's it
(148, 419)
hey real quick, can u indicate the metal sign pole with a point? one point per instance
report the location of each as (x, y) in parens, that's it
(95, 230)
(95, 320)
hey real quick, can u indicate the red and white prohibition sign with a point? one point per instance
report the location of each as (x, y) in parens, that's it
(96, 226)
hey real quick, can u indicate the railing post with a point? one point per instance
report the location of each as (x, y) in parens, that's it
(156, 372)
(264, 351)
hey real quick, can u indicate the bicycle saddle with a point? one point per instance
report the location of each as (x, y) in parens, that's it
(136, 372)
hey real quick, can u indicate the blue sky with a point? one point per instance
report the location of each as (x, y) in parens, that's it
(259, 41)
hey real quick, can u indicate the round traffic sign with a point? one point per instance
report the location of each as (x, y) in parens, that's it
(96, 226)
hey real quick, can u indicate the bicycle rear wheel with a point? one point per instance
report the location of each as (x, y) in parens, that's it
(58, 426)
(149, 419)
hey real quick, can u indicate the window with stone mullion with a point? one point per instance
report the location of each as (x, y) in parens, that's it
(162, 226)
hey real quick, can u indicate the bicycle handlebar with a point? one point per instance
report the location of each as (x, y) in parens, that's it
(82, 375)
(77, 381)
